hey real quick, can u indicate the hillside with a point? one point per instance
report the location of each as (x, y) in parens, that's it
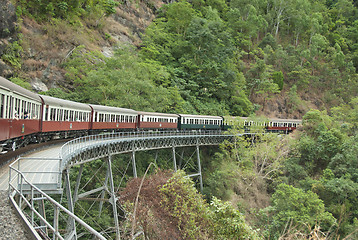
(316, 65)
(45, 45)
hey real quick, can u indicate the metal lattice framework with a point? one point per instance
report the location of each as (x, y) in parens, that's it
(89, 148)
(104, 146)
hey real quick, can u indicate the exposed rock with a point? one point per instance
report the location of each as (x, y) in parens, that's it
(38, 85)
(5, 70)
(7, 19)
(7, 33)
(107, 52)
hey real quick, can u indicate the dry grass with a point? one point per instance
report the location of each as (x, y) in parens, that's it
(155, 222)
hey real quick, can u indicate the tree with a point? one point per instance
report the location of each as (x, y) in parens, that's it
(278, 79)
(229, 223)
(293, 206)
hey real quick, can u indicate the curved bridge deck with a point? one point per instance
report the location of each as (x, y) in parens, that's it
(44, 168)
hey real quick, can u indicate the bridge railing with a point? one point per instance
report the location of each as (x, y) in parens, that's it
(74, 146)
(36, 219)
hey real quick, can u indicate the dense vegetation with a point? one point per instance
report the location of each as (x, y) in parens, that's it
(219, 57)
(234, 57)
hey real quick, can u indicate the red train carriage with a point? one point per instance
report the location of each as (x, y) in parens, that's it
(283, 125)
(113, 118)
(153, 120)
(64, 118)
(19, 115)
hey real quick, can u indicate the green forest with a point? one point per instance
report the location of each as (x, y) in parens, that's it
(279, 58)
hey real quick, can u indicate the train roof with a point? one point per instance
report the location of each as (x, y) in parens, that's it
(113, 109)
(268, 119)
(158, 114)
(200, 116)
(12, 87)
(285, 120)
(58, 102)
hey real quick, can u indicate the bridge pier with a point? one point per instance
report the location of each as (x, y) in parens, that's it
(113, 199)
(134, 165)
(71, 224)
(174, 159)
(199, 168)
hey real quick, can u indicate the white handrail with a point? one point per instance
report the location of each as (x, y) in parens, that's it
(14, 191)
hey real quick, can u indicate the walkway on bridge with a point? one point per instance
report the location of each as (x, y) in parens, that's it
(36, 167)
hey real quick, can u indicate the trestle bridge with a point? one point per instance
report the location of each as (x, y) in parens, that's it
(35, 181)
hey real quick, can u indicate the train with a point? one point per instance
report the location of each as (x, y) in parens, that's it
(27, 117)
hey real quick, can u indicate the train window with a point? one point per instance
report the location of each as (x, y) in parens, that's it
(55, 116)
(62, 114)
(70, 115)
(46, 113)
(66, 115)
(2, 105)
(22, 108)
(7, 110)
(52, 114)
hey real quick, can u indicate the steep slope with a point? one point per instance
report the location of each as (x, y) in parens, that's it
(45, 45)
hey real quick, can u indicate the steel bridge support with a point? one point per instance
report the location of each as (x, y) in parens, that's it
(113, 199)
(174, 159)
(134, 165)
(71, 225)
(199, 168)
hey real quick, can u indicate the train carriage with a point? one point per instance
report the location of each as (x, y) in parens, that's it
(153, 120)
(187, 122)
(26, 117)
(271, 125)
(64, 117)
(113, 118)
(283, 125)
(19, 115)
